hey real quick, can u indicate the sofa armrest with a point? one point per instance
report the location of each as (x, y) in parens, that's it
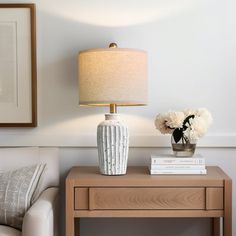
(41, 219)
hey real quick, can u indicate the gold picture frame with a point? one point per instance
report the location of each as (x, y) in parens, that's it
(18, 72)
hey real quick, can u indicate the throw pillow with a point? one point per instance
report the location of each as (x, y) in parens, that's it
(16, 190)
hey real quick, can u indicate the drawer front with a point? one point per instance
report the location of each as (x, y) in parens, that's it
(81, 198)
(214, 198)
(146, 198)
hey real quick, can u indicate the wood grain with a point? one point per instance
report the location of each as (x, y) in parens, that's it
(227, 221)
(81, 198)
(139, 176)
(214, 198)
(148, 213)
(70, 221)
(146, 198)
(138, 194)
(33, 66)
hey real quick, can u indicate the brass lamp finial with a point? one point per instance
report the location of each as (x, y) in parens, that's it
(113, 45)
(113, 108)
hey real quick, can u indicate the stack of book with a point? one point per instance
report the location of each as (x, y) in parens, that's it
(172, 165)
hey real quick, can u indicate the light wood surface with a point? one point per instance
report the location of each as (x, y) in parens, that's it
(148, 213)
(70, 226)
(214, 198)
(81, 198)
(227, 221)
(139, 176)
(154, 198)
(138, 194)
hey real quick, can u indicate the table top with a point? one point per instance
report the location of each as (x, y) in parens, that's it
(139, 176)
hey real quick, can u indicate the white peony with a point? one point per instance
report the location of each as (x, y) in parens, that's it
(197, 128)
(205, 114)
(175, 119)
(160, 123)
(166, 123)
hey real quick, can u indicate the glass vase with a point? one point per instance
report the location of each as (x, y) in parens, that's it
(183, 148)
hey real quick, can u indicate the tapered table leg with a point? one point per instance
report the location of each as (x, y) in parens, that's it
(77, 227)
(70, 221)
(227, 221)
(216, 226)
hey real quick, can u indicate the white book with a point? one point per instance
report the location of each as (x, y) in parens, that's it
(177, 167)
(178, 172)
(170, 160)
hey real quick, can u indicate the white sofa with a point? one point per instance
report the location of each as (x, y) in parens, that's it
(41, 219)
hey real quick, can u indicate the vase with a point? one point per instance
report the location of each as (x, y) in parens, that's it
(113, 145)
(183, 148)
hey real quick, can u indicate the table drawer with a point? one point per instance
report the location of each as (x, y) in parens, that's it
(81, 198)
(146, 198)
(214, 198)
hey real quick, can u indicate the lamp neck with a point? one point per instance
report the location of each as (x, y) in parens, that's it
(113, 116)
(113, 108)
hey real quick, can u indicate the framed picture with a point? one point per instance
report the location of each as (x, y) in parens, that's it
(18, 84)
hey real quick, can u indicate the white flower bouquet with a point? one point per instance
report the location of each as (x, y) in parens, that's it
(185, 126)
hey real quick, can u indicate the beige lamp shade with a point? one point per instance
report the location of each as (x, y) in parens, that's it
(112, 76)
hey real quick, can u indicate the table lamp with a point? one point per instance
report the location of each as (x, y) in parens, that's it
(112, 77)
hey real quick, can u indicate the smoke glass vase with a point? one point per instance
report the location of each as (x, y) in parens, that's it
(183, 148)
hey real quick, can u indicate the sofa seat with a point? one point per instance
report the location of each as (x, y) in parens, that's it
(9, 231)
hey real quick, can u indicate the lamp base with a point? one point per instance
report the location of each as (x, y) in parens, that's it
(113, 145)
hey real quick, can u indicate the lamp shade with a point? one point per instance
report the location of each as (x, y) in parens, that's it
(112, 76)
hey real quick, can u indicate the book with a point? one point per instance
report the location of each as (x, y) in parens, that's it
(178, 172)
(170, 160)
(177, 167)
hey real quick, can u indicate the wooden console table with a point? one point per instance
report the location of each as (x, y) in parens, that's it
(138, 194)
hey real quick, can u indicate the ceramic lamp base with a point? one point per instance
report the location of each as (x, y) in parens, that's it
(113, 145)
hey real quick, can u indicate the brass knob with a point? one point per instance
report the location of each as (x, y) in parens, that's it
(113, 45)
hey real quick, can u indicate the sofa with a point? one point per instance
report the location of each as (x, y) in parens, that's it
(41, 219)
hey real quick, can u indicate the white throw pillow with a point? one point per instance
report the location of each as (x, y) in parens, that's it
(16, 190)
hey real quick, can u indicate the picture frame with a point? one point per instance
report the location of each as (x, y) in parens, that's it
(18, 71)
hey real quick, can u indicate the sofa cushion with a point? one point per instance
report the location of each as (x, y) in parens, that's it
(9, 231)
(16, 190)
(16, 157)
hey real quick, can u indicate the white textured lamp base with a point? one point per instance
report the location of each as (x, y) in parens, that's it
(113, 145)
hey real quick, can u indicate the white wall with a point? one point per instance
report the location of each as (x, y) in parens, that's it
(191, 48)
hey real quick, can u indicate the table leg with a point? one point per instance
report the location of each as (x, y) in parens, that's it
(77, 227)
(70, 221)
(216, 226)
(227, 221)
(70, 226)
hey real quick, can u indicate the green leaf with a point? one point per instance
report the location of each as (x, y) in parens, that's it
(186, 120)
(178, 134)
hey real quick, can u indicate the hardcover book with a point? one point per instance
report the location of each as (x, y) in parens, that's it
(170, 160)
(177, 167)
(179, 172)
